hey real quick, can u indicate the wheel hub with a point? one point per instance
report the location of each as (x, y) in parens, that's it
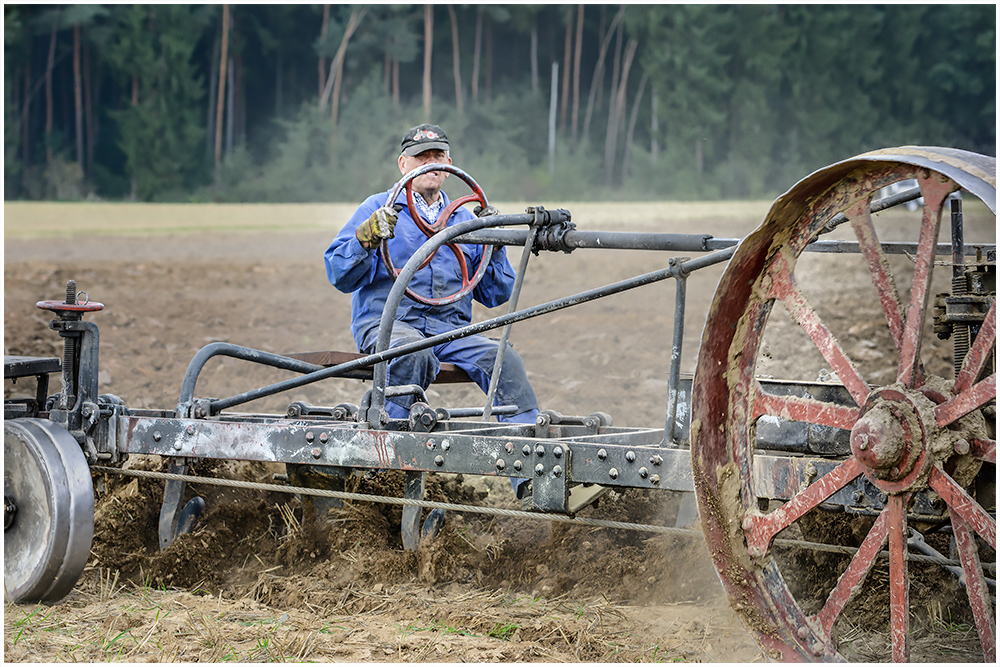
(888, 439)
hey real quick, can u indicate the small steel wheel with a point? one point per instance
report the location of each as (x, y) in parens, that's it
(919, 445)
(48, 511)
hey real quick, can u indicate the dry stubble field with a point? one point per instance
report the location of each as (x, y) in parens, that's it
(258, 581)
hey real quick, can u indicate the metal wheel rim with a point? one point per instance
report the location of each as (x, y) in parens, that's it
(723, 395)
(48, 543)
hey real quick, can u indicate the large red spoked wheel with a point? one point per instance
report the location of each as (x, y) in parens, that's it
(917, 428)
(431, 228)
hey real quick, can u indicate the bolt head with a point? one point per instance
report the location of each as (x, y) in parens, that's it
(602, 454)
(324, 437)
(613, 473)
(962, 446)
(157, 436)
(426, 419)
(630, 456)
(500, 464)
(539, 469)
(439, 460)
(509, 447)
(526, 450)
(802, 632)
(310, 436)
(190, 429)
(557, 451)
(445, 445)
(859, 495)
(430, 443)
(656, 459)
(540, 450)
(518, 465)
(557, 470)
(643, 472)
(655, 479)
(316, 452)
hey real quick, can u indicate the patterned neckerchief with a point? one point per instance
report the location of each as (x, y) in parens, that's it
(430, 212)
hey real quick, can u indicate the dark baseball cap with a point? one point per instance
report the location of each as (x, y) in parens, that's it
(424, 138)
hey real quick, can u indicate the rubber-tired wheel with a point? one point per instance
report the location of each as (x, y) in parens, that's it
(911, 430)
(431, 228)
(48, 511)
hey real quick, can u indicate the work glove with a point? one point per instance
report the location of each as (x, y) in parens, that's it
(380, 225)
(481, 212)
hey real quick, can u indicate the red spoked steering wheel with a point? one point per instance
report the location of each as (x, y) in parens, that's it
(432, 228)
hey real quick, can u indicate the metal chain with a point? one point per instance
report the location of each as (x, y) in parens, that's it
(391, 500)
(498, 511)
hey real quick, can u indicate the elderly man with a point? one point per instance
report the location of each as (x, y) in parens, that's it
(354, 265)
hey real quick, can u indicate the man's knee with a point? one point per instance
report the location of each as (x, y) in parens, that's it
(513, 387)
(415, 368)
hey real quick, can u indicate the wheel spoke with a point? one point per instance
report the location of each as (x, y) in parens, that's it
(783, 288)
(975, 397)
(979, 352)
(800, 409)
(934, 192)
(975, 586)
(964, 505)
(984, 450)
(888, 296)
(899, 584)
(861, 564)
(760, 529)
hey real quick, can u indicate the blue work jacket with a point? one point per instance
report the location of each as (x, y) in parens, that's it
(363, 274)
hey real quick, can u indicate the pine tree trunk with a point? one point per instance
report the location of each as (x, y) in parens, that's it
(278, 89)
(78, 96)
(336, 74)
(599, 73)
(48, 94)
(576, 74)
(395, 82)
(89, 125)
(456, 62)
(322, 59)
(654, 129)
(221, 96)
(428, 53)
(26, 119)
(476, 50)
(616, 114)
(213, 82)
(488, 52)
(567, 54)
(534, 59)
(230, 106)
(630, 133)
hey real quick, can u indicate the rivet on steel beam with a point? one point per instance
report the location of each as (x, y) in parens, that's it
(518, 465)
(630, 456)
(316, 451)
(324, 437)
(557, 451)
(557, 471)
(445, 445)
(190, 429)
(602, 454)
(539, 469)
(500, 464)
(509, 447)
(439, 460)
(643, 472)
(157, 436)
(656, 459)
(310, 436)
(655, 479)
(540, 450)
(177, 444)
(526, 450)
(430, 443)
(613, 473)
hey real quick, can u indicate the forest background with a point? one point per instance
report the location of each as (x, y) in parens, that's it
(307, 103)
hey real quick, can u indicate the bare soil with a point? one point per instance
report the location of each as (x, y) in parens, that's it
(262, 578)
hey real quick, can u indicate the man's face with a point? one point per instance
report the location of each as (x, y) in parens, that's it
(429, 184)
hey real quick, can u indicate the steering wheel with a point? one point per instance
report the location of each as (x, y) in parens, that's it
(430, 229)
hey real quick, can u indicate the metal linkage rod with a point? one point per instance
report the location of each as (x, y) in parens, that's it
(391, 500)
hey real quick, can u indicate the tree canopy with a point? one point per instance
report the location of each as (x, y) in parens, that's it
(308, 102)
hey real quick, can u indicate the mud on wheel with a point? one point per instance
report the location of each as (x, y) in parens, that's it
(918, 447)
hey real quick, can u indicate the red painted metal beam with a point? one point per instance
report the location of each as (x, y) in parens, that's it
(899, 580)
(803, 410)
(975, 586)
(864, 229)
(760, 529)
(975, 397)
(964, 505)
(861, 564)
(979, 352)
(984, 450)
